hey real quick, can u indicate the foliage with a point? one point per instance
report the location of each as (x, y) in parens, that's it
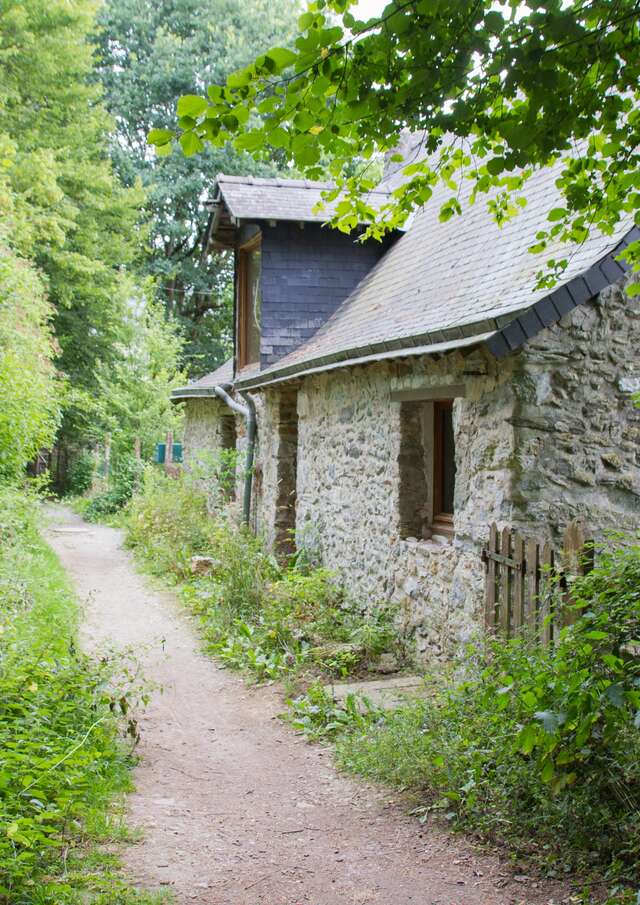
(319, 717)
(133, 399)
(256, 614)
(496, 89)
(29, 389)
(81, 473)
(61, 758)
(62, 206)
(148, 55)
(536, 746)
(124, 480)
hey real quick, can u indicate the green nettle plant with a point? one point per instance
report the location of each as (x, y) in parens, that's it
(62, 755)
(537, 746)
(497, 90)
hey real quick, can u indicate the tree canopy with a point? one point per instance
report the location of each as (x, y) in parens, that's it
(498, 89)
(149, 54)
(71, 243)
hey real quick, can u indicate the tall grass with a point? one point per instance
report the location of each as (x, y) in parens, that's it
(62, 759)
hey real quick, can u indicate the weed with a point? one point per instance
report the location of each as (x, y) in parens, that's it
(255, 613)
(62, 758)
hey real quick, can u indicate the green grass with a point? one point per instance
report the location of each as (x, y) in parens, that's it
(64, 764)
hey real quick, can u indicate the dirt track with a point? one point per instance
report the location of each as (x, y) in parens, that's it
(235, 808)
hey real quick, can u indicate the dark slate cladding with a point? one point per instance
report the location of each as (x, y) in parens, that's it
(306, 274)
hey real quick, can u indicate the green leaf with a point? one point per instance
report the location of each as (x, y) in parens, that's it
(495, 166)
(250, 141)
(160, 136)
(191, 144)
(306, 20)
(615, 695)
(556, 213)
(191, 105)
(281, 57)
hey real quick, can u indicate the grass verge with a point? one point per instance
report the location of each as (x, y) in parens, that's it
(64, 764)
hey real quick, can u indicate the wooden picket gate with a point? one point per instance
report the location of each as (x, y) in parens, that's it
(521, 575)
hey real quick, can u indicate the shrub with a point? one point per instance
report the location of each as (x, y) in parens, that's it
(167, 523)
(255, 613)
(80, 474)
(61, 759)
(123, 482)
(537, 746)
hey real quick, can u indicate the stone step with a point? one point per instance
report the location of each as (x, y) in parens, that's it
(386, 693)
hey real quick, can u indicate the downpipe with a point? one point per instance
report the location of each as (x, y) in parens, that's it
(248, 412)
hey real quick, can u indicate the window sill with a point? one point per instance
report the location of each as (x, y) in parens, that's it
(435, 542)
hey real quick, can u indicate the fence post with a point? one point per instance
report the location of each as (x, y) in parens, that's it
(546, 564)
(137, 448)
(518, 582)
(505, 550)
(490, 580)
(533, 584)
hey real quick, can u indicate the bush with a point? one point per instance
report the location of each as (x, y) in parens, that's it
(123, 482)
(537, 746)
(80, 474)
(61, 758)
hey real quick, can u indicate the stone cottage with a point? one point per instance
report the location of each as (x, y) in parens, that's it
(409, 393)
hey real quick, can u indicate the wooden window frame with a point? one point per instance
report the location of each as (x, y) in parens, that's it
(442, 522)
(244, 305)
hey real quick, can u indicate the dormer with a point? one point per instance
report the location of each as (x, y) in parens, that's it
(292, 271)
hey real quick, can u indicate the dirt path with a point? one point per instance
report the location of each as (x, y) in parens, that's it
(234, 807)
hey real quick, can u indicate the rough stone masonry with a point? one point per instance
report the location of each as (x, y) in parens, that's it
(547, 435)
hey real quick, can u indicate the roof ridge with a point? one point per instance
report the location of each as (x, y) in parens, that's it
(286, 183)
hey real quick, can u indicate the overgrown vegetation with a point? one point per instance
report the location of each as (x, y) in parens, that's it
(536, 747)
(62, 756)
(277, 621)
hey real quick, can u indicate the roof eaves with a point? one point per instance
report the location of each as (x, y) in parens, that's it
(548, 310)
(192, 393)
(349, 362)
(397, 348)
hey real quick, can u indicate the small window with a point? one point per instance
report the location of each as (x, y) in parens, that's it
(444, 466)
(427, 469)
(249, 302)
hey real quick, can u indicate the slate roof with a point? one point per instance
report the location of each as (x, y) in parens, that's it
(443, 282)
(204, 386)
(256, 198)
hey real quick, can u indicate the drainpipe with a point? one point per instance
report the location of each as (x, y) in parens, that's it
(248, 412)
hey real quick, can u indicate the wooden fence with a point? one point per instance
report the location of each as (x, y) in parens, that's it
(521, 576)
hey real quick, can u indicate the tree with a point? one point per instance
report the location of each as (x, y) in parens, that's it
(67, 213)
(149, 54)
(134, 399)
(497, 89)
(29, 389)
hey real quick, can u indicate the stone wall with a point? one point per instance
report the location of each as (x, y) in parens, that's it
(352, 440)
(542, 437)
(577, 433)
(210, 427)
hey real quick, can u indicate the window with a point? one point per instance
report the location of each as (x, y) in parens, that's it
(427, 468)
(287, 469)
(444, 466)
(249, 302)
